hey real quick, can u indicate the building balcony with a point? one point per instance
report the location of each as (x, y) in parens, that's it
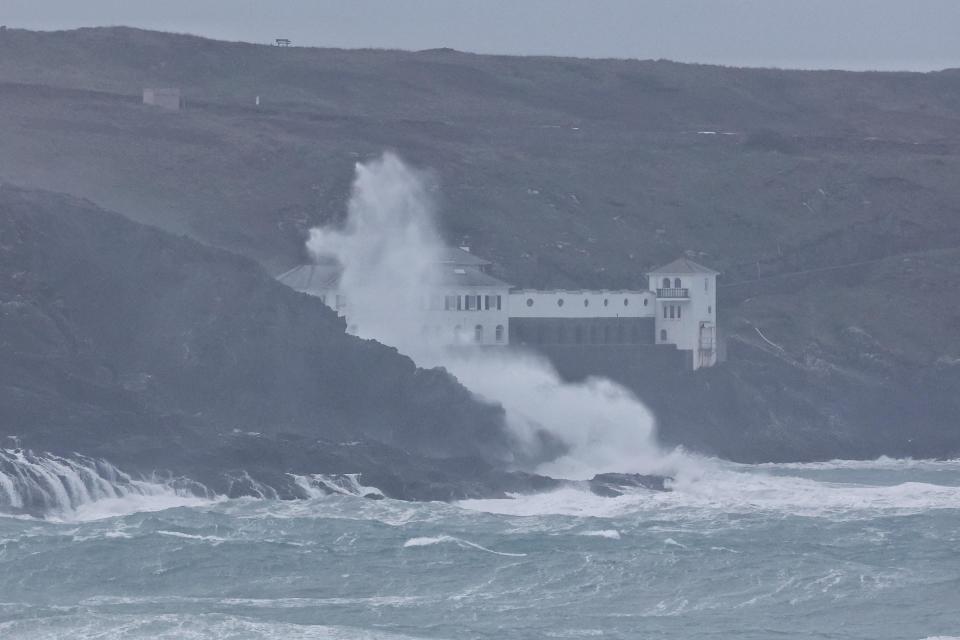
(673, 294)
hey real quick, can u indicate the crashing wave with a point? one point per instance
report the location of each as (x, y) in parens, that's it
(46, 484)
(317, 485)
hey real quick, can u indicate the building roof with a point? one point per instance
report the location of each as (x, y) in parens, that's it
(683, 265)
(312, 277)
(457, 256)
(457, 276)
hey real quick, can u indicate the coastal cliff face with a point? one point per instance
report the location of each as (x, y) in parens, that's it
(829, 201)
(157, 353)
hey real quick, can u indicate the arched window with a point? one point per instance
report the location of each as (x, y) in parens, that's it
(626, 302)
(498, 333)
(676, 283)
(663, 335)
(529, 302)
(560, 302)
(478, 334)
(666, 283)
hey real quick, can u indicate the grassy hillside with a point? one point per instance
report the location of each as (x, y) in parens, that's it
(828, 199)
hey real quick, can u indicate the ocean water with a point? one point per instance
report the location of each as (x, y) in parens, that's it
(830, 550)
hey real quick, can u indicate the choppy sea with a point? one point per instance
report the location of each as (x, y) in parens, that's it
(865, 550)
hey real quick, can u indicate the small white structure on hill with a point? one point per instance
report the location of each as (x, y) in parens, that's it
(470, 306)
(168, 98)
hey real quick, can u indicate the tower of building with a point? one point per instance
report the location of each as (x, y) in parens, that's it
(686, 309)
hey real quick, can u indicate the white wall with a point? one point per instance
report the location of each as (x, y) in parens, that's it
(599, 304)
(441, 324)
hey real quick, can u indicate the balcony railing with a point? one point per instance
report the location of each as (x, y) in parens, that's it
(673, 293)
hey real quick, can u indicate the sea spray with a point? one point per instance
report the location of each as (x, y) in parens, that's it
(388, 250)
(82, 488)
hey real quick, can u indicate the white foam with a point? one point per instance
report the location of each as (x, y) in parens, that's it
(712, 487)
(79, 489)
(318, 485)
(178, 626)
(429, 541)
(114, 507)
(191, 536)
(611, 534)
(883, 463)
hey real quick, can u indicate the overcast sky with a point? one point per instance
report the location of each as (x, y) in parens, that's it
(845, 34)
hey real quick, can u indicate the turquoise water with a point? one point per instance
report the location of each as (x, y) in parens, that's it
(833, 550)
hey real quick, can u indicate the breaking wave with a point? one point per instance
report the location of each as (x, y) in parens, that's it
(82, 488)
(318, 485)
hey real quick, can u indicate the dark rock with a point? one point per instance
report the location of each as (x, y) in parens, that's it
(611, 485)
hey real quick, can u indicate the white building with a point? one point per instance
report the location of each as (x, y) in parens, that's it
(470, 306)
(168, 98)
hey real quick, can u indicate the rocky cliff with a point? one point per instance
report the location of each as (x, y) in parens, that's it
(122, 341)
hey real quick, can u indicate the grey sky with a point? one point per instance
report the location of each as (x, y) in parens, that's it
(847, 34)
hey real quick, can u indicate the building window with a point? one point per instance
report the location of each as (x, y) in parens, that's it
(606, 302)
(449, 303)
(529, 302)
(459, 303)
(672, 316)
(678, 311)
(586, 302)
(479, 303)
(560, 302)
(469, 302)
(486, 302)
(709, 310)
(665, 311)
(478, 334)
(626, 302)
(676, 283)
(498, 333)
(498, 303)
(666, 283)
(663, 335)
(646, 301)
(706, 284)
